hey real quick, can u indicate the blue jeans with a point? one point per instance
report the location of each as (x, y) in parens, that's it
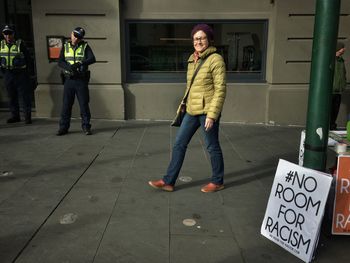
(188, 127)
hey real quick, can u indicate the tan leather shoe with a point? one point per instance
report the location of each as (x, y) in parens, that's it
(209, 188)
(161, 185)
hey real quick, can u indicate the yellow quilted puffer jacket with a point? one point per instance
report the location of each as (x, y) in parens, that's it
(208, 90)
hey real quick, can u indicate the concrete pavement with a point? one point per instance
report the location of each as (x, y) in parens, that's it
(80, 198)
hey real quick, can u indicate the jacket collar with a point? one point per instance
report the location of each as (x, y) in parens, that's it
(78, 44)
(210, 50)
(340, 58)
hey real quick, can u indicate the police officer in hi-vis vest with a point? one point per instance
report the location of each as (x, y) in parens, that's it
(75, 57)
(16, 66)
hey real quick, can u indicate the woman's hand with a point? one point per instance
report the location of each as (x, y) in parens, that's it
(209, 122)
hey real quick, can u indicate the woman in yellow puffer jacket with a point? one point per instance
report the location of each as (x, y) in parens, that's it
(204, 102)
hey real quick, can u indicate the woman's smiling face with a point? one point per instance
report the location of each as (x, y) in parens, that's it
(200, 41)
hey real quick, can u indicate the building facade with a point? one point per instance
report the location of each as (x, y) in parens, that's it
(142, 47)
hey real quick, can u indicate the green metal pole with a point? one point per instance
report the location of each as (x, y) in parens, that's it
(320, 90)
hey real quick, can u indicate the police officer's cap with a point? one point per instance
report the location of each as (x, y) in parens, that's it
(8, 29)
(79, 32)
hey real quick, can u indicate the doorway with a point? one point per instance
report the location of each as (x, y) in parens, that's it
(17, 13)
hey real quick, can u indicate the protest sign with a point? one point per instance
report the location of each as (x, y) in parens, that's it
(341, 211)
(295, 208)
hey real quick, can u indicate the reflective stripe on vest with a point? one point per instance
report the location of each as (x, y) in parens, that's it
(8, 55)
(72, 55)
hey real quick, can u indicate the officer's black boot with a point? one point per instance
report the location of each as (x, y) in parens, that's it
(13, 120)
(28, 118)
(61, 132)
(87, 131)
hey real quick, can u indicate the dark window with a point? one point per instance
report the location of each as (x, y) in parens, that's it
(157, 51)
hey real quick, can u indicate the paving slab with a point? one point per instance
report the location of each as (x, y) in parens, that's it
(194, 249)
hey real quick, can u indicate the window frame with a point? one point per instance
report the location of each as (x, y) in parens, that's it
(180, 77)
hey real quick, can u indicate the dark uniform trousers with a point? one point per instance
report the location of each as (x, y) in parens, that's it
(78, 87)
(18, 87)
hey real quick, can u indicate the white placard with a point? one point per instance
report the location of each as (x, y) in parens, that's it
(295, 208)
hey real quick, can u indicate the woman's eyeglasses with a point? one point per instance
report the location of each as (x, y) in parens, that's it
(199, 39)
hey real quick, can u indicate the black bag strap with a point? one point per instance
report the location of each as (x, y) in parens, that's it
(194, 75)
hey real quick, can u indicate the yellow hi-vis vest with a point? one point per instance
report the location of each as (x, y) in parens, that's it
(12, 58)
(73, 56)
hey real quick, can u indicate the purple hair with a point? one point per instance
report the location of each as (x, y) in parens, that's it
(205, 28)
